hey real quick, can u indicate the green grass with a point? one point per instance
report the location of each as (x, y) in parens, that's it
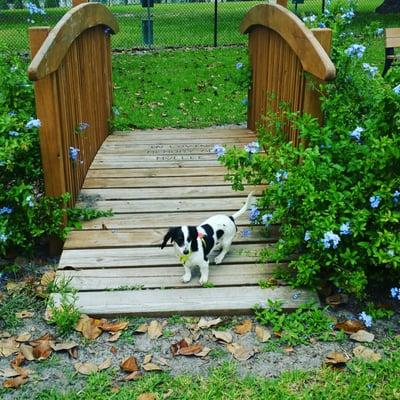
(183, 88)
(359, 380)
(185, 24)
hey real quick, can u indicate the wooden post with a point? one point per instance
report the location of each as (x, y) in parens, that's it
(312, 102)
(47, 110)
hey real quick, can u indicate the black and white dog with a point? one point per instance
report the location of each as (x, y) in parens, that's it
(193, 244)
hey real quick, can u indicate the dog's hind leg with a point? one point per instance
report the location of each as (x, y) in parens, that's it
(226, 245)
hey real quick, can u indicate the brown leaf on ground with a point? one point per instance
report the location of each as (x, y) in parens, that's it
(114, 336)
(239, 352)
(9, 373)
(362, 336)
(224, 336)
(366, 354)
(47, 278)
(262, 334)
(89, 327)
(190, 350)
(350, 325)
(23, 337)
(147, 396)
(244, 327)
(15, 287)
(73, 352)
(151, 367)
(24, 314)
(204, 352)
(133, 376)
(86, 368)
(113, 349)
(42, 347)
(336, 358)
(288, 350)
(27, 351)
(63, 346)
(142, 328)
(205, 324)
(147, 358)
(154, 330)
(9, 346)
(15, 383)
(175, 347)
(113, 326)
(22, 371)
(18, 361)
(129, 364)
(337, 299)
(46, 337)
(105, 364)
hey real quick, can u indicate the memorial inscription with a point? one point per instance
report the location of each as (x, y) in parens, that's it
(175, 149)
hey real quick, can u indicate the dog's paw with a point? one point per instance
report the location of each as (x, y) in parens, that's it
(218, 259)
(186, 278)
(203, 280)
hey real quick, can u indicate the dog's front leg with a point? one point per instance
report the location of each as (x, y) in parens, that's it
(187, 276)
(203, 272)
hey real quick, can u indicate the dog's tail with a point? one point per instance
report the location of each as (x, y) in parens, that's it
(244, 208)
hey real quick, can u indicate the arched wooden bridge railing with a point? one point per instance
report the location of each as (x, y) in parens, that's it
(71, 68)
(281, 50)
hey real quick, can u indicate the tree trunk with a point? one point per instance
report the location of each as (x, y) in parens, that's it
(389, 6)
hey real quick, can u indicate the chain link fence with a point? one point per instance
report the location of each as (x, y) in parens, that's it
(152, 23)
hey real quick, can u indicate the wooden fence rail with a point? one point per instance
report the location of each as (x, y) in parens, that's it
(281, 50)
(71, 67)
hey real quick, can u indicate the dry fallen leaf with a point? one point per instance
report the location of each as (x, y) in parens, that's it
(204, 352)
(63, 346)
(205, 324)
(23, 337)
(9, 346)
(362, 336)
(335, 358)
(147, 396)
(27, 351)
(114, 336)
(113, 326)
(154, 330)
(133, 376)
(24, 314)
(190, 350)
(9, 373)
(239, 352)
(175, 347)
(15, 383)
(113, 349)
(152, 367)
(262, 334)
(47, 278)
(129, 364)
(337, 299)
(224, 336)
(42, 350)
(18, 361)
(244, 327)
(366, 354)
(86, 368)
(89, 327)
(147, 358)
(350, 325)
(105, 364)
(142, 328)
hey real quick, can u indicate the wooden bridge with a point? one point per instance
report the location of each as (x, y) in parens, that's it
(152, 180)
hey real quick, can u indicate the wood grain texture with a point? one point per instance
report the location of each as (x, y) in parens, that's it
(194, 301)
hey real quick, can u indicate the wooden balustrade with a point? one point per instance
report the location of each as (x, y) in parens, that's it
(71, 67)
(281, 50)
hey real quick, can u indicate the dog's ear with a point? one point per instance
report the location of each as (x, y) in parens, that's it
(193, 238)
(168, 236)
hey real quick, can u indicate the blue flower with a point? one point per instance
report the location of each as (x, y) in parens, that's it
(307, 236)
(246, 232)
(374, 201)
(73, 153)
(266, 218)
(82, 126)
(107, 30)
(13, 133)
(254, 213)
(345, 229)
(366, 319)
(245, 101)
(3, 237)
(390, 253)
(252, 148)
(239, 65)
(296, 296)
(116, 111)
(396, 197)
(395, 293)
(321, 25)
(280, 175)
(379, 31)
(330, 239)
(33, 123)
(30, 201)
(370, 69)
(355, 50)
(34, 9)
(218, 150)
(5, 210)
(12, 113)
(397, 89)
(311, 18)
(348, 15)
(356, 134)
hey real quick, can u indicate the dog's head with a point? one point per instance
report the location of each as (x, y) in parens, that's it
(184, 239)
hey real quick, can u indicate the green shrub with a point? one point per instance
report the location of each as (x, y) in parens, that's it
(338, 198)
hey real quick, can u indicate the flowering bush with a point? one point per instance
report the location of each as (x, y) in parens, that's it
(339, 205)
(25, 214)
